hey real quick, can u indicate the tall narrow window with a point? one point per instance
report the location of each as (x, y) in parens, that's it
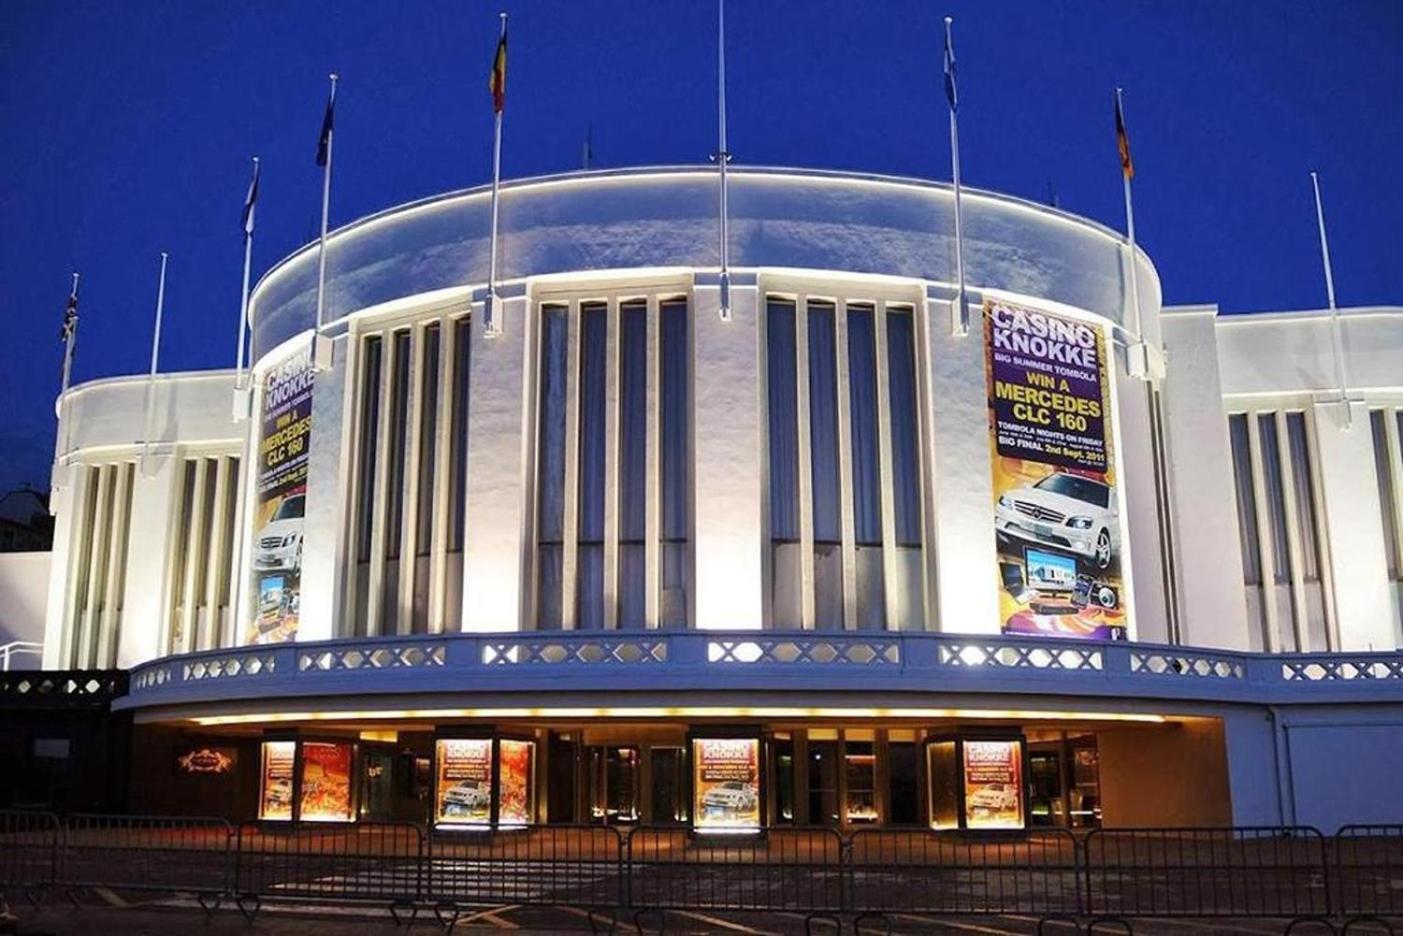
(428, 405)
(100, 575)
(458, 473)
(394, 483)
(909, 612)
(1312, 550)
(1280, 593)
(867, 467)
(675, 405)
(369, 442)
(550, 508)
(823, 460)
(589, 605)
(633, 464)
(1247, 524)
(785, 555)
(1385, 466)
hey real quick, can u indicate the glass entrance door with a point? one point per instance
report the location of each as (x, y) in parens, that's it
(613, 773)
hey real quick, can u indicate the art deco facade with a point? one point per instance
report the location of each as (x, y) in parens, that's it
(621, 555)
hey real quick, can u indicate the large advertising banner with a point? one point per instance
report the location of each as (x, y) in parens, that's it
(993, 784)
(282, 492)
(1056, 511)
(326, 782)
(726, 783)
(275, 794)
(516, 793)
(463, 791)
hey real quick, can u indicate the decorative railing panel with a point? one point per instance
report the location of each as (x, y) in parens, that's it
(1188, 663)
(757, 660)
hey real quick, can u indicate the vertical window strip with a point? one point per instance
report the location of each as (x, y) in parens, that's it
(1247, 520)
(121, 531)
(550, 484)
(368, 442)
(1388, 462)
(675, 457)
(462, 356)
(904, 413)
(426, 406)
(633, 464)
(826, 483)
(1388, 495)
(1278, 589)
(589, 606)
(456, 363)
(89, 487)
(864, 419)
(1313, 570)
(396, 456)
(98, 570)
(184, 525)
(786, 579)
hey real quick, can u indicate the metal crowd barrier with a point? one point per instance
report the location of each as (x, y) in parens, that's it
(964, 873)
(1368, 874)
(28, 853)
(1107, 877)
(368, 862)
(1278, 872)
(788, 870)
(553, 865)
(152, 853)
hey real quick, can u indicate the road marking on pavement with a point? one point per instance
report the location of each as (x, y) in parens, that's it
(490, 916)
(111, 898)
(969, 927)
(724, 924)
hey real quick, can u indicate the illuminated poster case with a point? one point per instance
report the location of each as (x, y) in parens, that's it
(977, 782)
(484, 782)
(310, 781)
(726, 789)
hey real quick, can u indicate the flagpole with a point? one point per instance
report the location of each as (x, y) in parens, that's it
(326, 209)
(155, 355)
(723, 156)
(492, 326)
(959, 324)
(240, 399)
(69, 335)
(1336, 336)
(1130, 236)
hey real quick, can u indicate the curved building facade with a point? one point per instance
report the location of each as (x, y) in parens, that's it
(837, 548)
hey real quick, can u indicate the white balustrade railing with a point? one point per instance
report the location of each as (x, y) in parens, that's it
(19, 650)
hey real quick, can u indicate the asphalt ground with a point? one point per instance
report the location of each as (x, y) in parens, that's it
(104, 911)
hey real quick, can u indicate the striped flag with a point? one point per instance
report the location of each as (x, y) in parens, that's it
(250, 200)
(1127, 165)
(498, 79)
(328, 121)
(950, 93)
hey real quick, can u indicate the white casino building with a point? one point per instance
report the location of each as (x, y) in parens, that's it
(622, 558)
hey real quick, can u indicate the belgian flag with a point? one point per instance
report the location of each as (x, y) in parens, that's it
(1127, 165)
(498, 80)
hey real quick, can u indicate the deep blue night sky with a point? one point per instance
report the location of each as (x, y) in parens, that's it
(126, 128)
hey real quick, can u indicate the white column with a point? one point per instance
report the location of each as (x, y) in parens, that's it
(501, 419)
(146, 599)
(728, 442)
(962, 499)
(66, 505)
(1353, 528)
(1212, 611)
